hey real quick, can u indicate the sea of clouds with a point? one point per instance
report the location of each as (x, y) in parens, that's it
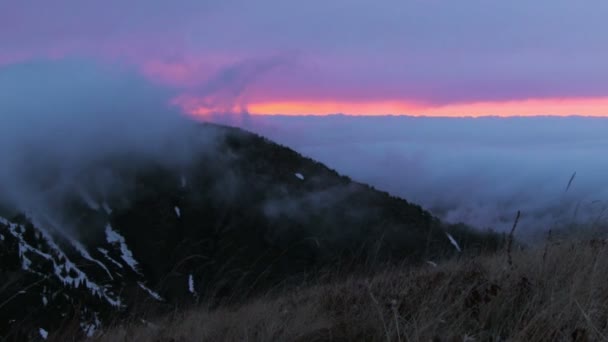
(479, 171)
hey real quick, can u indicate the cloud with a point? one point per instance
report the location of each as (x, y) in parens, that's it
(477, 171)
(60, 119)
(223, 97)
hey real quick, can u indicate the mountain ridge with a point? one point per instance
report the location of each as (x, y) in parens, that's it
(244, 216)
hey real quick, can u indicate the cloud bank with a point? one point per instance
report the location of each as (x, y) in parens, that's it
(478, 171)
(60, 119)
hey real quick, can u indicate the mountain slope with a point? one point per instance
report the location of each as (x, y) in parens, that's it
(239, 215)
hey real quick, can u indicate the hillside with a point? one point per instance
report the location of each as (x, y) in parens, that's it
(241, 215)
(555, 292)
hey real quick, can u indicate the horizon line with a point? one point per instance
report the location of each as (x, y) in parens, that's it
(564, 107)
(489, 116)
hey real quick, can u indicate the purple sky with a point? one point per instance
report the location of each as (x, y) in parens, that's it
(422, 51)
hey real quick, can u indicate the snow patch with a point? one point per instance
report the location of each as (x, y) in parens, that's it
(85, 254)
(114, 238)
(61, 263)
(299, 175)
(26, 263)
(24, 247)
(45, 301)
(152, 293)
(107, 256)
(43, 333)
(453, 242)
(178, 212)
(190, 283)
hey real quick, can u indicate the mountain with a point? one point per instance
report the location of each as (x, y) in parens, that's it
(240, 215)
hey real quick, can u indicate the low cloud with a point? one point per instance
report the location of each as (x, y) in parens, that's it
(59, 119)
(477, 171)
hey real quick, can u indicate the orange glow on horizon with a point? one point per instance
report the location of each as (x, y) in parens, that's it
(530, 107)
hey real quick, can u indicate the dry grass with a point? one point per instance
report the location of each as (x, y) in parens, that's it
(554, 292)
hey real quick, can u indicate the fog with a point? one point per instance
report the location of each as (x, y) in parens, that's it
(61, 118)
(477, 171)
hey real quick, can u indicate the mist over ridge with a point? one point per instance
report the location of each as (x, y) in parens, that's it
(64, 121)
(60, 116)
(480, 171)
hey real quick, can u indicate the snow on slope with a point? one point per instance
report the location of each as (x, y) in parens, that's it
(114, 238)
(107, 256)
(64, 269)
(66, 266)
(85, 254)
(150, 292)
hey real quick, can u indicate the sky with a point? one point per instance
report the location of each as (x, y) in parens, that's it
(416, 57)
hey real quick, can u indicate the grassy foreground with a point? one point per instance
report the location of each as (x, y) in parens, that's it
(558, 291)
